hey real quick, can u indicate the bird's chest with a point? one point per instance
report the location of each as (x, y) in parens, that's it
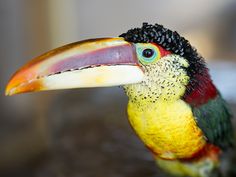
(167, 128)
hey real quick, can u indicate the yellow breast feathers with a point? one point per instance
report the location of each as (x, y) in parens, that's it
(167, 128)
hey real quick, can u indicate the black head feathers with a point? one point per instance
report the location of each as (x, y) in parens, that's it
(168, 39)
(173, 42)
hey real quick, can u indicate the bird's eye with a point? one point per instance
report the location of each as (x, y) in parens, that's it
(147, 53)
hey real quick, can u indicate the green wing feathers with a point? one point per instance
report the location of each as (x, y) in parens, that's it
(214, 119)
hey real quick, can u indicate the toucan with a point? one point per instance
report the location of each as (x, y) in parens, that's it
(174, 107)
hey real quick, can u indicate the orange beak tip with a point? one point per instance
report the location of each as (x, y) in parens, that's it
(9, 90)
(15, 87)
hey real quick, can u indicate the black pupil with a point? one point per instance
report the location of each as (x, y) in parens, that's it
(148, 53)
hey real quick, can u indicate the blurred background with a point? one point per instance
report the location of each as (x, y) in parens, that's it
(85, 133)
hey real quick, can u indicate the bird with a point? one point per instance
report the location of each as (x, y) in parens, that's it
(174, 106)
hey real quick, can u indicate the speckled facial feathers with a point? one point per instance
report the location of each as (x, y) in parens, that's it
(164, 80)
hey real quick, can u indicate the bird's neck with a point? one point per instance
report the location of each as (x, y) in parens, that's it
(200, 89)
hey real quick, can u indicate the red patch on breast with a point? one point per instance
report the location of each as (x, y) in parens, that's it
(208, 151)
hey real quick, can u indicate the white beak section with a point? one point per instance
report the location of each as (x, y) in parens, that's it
(101, 76)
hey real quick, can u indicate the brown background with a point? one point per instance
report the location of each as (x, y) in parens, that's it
(85, 132)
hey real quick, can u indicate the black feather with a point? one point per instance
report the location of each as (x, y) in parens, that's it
(173, 42)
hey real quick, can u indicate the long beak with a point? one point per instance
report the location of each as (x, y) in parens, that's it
(91, 63)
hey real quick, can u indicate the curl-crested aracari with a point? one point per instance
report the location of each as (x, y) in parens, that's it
(173, 105)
